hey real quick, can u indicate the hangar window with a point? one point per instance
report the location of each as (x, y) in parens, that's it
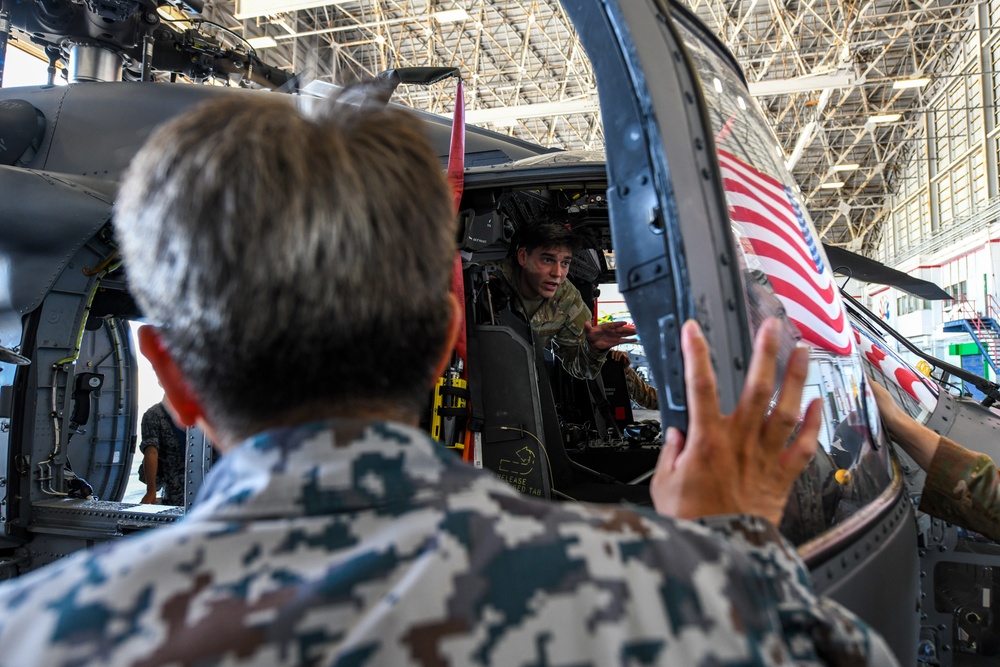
(910, 304)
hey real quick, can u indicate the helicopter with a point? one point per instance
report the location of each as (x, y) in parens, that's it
(669, 211)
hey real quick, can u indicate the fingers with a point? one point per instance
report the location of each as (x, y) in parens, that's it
(882, 397)
(607, 335)
(797, 455)
(673, 445)
(699, 377)
(759, 385)
(785, 415)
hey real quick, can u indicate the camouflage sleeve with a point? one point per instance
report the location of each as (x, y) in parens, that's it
(150, 431)
(639, 391)
(962, 487)
(578, 357)
(817, 629)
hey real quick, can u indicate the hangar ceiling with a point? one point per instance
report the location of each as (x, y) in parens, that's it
(820, 69)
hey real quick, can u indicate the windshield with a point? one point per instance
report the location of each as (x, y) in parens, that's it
(786, 275)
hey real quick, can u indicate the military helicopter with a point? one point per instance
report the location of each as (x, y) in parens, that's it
(676, 216)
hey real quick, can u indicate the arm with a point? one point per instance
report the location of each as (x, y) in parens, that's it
(579, 358)
(962, 486)
(916, 439)
(150, 463)
(150, 448)
(735, 472)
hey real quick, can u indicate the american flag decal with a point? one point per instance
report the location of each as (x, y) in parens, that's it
(780, 238)
(896, 371)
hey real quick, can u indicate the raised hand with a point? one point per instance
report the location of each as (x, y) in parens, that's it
(742, 463)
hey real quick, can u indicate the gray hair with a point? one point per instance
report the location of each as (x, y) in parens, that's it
(295, 264)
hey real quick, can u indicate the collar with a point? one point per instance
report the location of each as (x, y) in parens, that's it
(328, 467)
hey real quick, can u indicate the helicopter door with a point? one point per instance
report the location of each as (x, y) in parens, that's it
(104, 406)
(707, 223)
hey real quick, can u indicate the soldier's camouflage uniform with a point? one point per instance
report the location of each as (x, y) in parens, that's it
(366, 543)
(559, 320)
(159, 431)
(963, 488)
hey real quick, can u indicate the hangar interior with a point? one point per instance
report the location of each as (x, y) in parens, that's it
(884, 110)
(884, 113)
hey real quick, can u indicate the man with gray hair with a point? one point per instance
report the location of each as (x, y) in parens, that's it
(297, 271)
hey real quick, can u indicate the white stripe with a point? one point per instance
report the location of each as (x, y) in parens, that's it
(806, 320)
(755, 232)
(770, 198)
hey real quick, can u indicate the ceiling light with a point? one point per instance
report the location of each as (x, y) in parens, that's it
(508, 116)
(265, 42)
(832, 185)
(379, 39)
(805, 84)
(451, 16)
(846, 167)
(248, 9)
(885, 118)
(919, 82)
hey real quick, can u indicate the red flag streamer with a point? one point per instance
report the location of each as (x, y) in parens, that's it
(456, 176)
(456, 155)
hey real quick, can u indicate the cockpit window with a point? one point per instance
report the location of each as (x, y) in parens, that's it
(786, 275)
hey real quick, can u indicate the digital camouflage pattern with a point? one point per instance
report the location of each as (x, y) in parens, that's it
(366, 543)
(962, 487)
(158, 431)
(559, 320)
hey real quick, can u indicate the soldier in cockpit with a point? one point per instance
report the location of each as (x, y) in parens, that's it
(535, 281)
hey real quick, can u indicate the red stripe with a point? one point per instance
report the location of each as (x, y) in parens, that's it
(781, 209)
(906, 379)
(775, 254)
(801, 299)
(787, 247)
(750, 217)
(743, 166)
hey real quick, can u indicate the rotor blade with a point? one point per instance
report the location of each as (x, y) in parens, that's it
(868, 270)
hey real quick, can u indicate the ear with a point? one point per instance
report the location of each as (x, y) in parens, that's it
(454, 326)
(522, 256)
(184, 403)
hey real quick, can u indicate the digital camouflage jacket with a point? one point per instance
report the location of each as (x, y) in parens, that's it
(559, 320)
(962, 487)
(366, 543)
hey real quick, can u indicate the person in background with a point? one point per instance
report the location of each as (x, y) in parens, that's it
(961, 487)
(163, 447)
(639, 390)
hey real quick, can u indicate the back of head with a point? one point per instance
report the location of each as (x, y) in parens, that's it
(297, 265)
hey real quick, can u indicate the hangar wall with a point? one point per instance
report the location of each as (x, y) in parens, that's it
(943, 222)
